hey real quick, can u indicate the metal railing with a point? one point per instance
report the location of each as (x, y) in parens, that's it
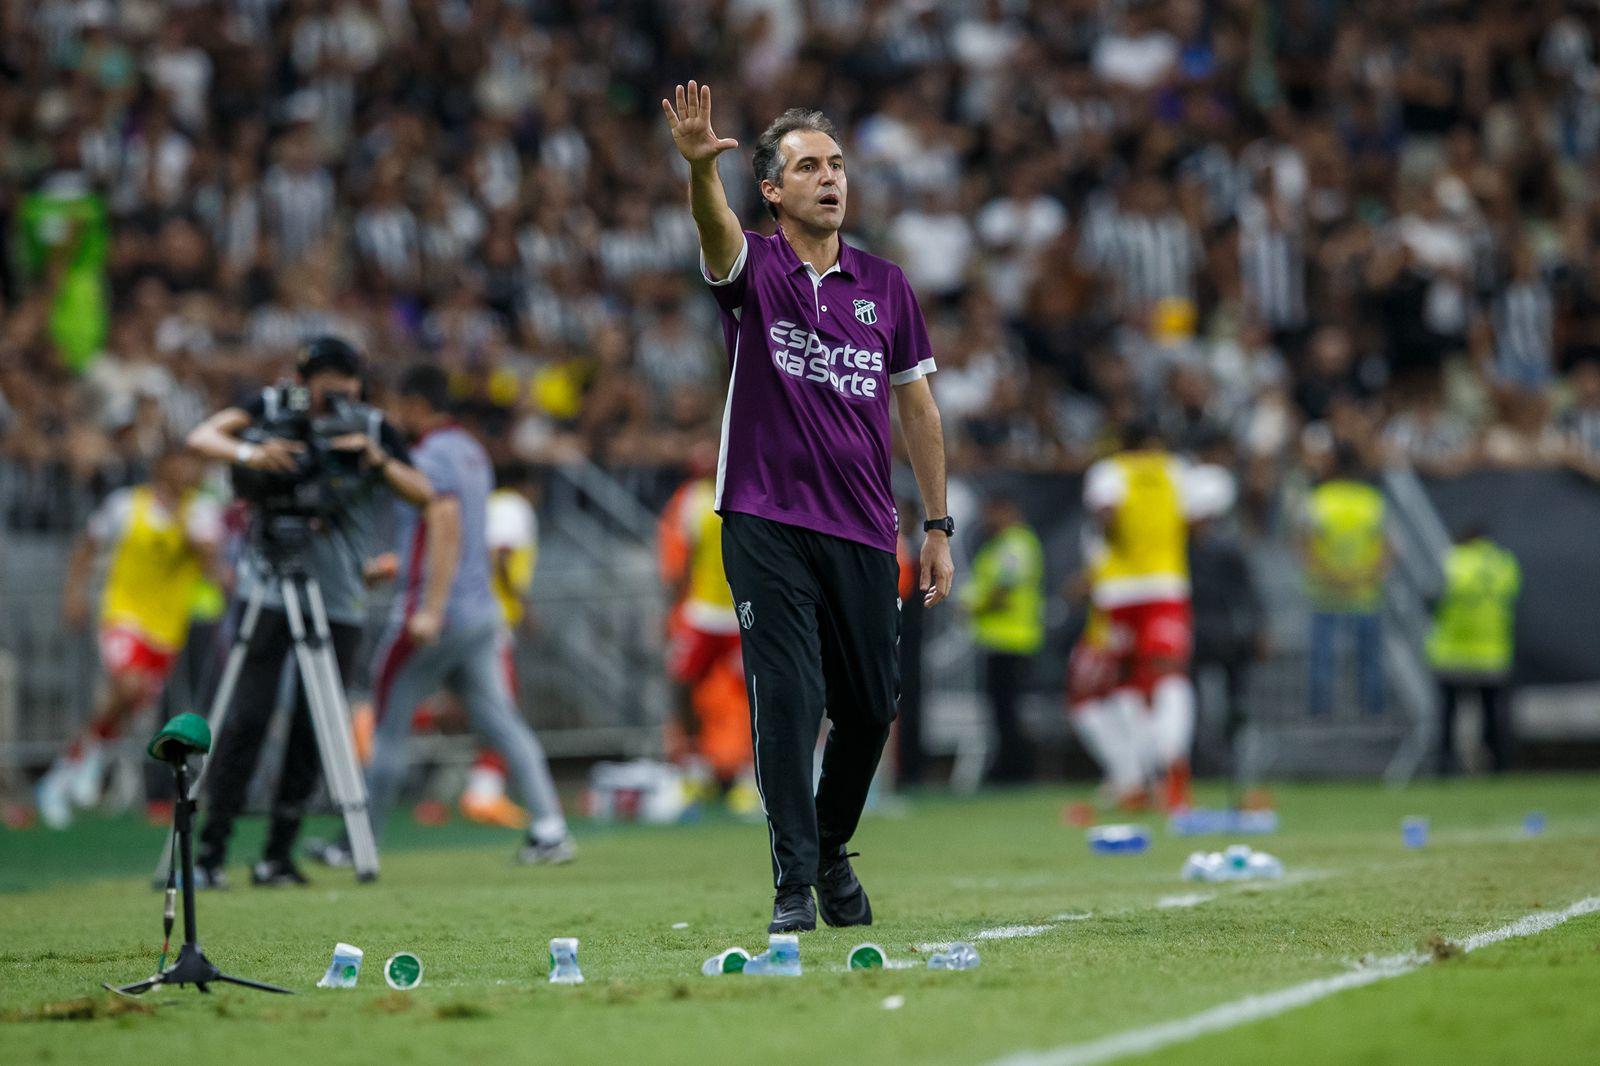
(1280, 737)
(1420, 543)
(591, 673)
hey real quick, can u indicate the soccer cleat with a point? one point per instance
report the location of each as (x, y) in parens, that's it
(271, 873)
(840, 898)
(1178, 796)
(53, 799)
(88, 772)
(794, 910)
(18, 815)
(431, 813)
(1135, 801)
(551, 853)
(1081, 815)
(493, 810)
(329, 853)
(206, 879)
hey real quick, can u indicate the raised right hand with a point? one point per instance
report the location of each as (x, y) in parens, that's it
(275, 454)
(691, 124)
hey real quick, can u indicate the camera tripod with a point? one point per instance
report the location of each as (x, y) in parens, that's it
(319, 673)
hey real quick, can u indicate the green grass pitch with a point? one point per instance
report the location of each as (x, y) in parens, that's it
(1091, 945)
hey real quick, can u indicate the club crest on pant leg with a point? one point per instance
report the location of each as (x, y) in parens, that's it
(747, 615)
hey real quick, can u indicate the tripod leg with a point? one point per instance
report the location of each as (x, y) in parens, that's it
(259, 986)
(330, 719)
(163, 870)
(363, 843)
(138, 988)
(222, 702)
(217, 716)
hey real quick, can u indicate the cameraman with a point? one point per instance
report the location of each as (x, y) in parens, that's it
(330, 373)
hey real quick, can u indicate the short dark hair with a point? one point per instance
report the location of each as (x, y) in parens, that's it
(515, 472)
(768, 162)
(1143, 431)
(1347, 462)
(331, 354)
(428, 383)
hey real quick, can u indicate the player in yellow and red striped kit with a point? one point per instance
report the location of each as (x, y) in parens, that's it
(1106, 724)
(1142, 500)
(161, 539)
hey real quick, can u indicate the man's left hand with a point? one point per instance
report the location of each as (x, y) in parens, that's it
(381, 568)
(425, 626)
(938, 571)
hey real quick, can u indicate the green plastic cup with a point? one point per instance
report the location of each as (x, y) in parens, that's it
(403, 971)
(730, 961)
(866, 957)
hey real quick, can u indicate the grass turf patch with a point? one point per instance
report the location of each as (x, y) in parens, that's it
(1088, 949)
(1524, 1001)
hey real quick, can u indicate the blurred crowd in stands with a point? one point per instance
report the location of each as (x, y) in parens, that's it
(1284, 230)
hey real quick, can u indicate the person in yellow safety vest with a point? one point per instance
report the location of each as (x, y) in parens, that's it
(162, 539)
(1345, 553)
(1006, 601)
(1471, 645)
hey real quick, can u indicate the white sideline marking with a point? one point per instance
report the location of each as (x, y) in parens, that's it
(1011, 932)
(1006, 932)
(1191, 899)
(1270, 1004)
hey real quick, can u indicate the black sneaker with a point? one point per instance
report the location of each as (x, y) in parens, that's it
(535, 852)
(793, 911)
(840, 898)
(270, 873)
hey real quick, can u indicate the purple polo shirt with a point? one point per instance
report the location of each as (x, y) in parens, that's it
(805, 433)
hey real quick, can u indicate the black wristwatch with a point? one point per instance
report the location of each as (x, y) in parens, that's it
(945, 525)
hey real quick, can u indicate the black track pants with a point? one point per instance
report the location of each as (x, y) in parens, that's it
(820, 621)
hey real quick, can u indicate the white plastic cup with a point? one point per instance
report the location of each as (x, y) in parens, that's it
(345, 969)
(564, 961)
(784, 948)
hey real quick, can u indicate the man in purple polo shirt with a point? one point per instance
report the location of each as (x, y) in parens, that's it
(819, 334)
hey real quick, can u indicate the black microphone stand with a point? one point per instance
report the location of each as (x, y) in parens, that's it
(191, 966)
